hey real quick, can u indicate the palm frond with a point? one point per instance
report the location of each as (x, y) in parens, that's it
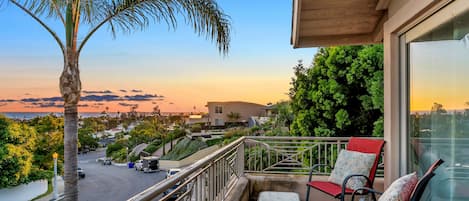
(205, 17)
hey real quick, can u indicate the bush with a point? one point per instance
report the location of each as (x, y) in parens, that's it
(111, 148)
(184, 148)
(133, 158)
(196, 128)
(120, 155)
(236, 133)
(151, 148)
(214, 141)
(38, 174)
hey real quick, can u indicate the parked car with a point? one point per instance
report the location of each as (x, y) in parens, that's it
(138, 165)
(81, 173)
(172, 172)
(177, 194)
(107, 161)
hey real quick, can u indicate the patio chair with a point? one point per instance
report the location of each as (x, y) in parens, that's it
(356, 144)
(418, 190)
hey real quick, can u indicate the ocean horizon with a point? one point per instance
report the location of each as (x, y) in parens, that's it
(31, 115)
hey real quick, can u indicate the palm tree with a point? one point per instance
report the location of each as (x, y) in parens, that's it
(204, 16)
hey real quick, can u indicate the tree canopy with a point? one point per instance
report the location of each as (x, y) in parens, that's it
(17, 144)
(341, 94)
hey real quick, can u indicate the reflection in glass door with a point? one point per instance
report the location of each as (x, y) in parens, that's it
(437, 68)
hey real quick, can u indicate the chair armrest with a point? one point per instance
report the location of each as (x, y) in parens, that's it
(314, 167)
(344, 184)
(368, 190)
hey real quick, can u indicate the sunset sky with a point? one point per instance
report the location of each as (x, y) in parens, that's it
(439, 74)
(176, 70)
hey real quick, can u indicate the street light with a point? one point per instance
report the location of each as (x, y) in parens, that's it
(55, 155)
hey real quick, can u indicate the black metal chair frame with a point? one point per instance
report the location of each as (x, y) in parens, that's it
(418, 189)
(344, 184)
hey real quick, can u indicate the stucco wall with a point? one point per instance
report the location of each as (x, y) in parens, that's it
(166, 164)
(245, 110)
(24, 192)
(395, 5)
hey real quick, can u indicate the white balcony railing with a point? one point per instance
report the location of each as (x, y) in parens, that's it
(213, 177)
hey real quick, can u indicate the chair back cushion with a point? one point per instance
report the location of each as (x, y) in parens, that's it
(401, 189)
(423, 182)
(370, 146)
(352, 162)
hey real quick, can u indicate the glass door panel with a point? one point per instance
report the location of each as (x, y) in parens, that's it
(437, 69)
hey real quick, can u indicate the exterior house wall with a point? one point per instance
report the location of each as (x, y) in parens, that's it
(245, 110)
(402, 15)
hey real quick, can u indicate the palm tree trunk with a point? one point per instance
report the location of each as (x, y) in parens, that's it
(70, 88)
(70, 153)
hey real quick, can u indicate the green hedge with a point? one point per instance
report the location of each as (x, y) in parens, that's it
(111, 148)
(151, 148)
(214, 141)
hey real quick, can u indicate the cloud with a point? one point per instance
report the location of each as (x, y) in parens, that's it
(98, 92)
(44, 105)
(128, 105)
(137, 90)
(27, 94)
(171, 103)
(141, 97)
(50, 99)
(7, 100)
(123, 90)
(53, 99)
(3, 104)
(98, 98)
(30, 100)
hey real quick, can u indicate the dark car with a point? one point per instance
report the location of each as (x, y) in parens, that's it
(81, 173)
(177, 194)
(107, 162)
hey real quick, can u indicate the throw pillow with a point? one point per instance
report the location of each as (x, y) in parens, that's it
(352, 162)
(400, 189)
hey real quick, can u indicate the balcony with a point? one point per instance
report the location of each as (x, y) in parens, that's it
(250, 165)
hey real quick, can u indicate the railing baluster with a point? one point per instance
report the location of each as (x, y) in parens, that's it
(211, 184)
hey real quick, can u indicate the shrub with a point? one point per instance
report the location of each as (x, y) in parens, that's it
(133, 157)
(196, 128)
(236, 133)
(120, 155)
(151, 148)
(38, 174)
(214, 141)
(111, 148)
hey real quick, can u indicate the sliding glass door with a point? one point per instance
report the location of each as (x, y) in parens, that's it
(435, 74)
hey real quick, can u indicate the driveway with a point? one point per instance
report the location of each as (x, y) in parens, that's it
(111, 183)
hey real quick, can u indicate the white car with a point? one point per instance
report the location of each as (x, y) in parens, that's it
(138, 165)
(172, 172)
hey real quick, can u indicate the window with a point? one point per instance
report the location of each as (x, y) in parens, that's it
(218, 110)
(436, 77)
(219, 122)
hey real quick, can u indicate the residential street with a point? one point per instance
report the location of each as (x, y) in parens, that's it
(111, 183)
